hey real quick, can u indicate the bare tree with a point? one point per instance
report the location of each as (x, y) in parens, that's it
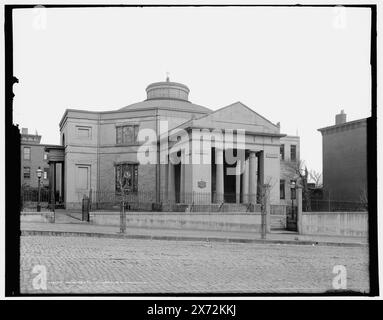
(122, 180)
(264, 200)
(316, 177)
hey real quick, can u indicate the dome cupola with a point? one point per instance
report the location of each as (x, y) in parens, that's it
(167, 90)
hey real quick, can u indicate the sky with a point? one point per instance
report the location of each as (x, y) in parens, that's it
(296, 66)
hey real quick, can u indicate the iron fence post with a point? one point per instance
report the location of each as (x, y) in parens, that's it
(38, 196)
(52, 200)
(122, 217)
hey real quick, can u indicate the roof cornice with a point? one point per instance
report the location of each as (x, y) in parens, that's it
(344, 126)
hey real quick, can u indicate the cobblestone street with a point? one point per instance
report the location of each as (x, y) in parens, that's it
(101, 265)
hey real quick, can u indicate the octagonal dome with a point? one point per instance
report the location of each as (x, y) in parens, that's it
(168, 95)
(167, 90)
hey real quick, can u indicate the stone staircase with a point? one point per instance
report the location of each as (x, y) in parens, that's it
(278, 222)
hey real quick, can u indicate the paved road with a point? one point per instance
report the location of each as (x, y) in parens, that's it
(99, 265)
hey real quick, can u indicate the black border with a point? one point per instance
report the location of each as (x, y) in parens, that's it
(12, 159)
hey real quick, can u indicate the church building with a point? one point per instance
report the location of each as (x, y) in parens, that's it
(149, 150)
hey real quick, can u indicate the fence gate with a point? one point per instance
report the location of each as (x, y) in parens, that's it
(291, 218)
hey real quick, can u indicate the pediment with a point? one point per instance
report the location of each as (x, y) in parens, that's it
(236, 116)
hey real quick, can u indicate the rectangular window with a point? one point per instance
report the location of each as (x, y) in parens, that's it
(84, 132)
(27, 153)
(27, 172)
(127, 177)
(127, 134)
(292, 190)
(282, 189)
(45, 156)
(282, 151)
(293, 152)
(46, 170)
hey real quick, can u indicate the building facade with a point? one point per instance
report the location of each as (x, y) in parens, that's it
(345, 159)
(290, 156)
(156, 148)
(33, 156)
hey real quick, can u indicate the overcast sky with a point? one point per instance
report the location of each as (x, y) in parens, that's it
(296, 66)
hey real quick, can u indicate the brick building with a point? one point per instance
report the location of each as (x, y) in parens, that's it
(101, 151)
(34, 155)
(345, 159)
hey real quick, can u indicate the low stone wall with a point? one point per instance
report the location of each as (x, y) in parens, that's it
(335, 223)
(37, 216)
(246, 222)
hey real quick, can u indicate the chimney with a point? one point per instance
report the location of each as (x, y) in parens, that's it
(340, 118)
(24, 130)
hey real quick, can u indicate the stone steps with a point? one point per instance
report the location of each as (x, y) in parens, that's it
(278, 222)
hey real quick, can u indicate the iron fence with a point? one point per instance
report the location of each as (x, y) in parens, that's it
(30, 198)
(187, 201)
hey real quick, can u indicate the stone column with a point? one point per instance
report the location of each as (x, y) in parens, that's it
(261, 168)
(63, 181)
(219, 186)
(253, 177)
(171, 183)
(238, 183)
(166, 185)
(298, 197)
(245, 183)
(51, 182)
(182, 177)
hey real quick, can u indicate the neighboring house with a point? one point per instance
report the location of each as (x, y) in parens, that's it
(290, 157)
(101, 149)
(33, 156)
(344, 159)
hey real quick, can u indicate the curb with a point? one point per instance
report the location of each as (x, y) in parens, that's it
(185, 238)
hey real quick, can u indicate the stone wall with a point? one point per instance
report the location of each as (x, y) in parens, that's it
(335, 223)
(243, 222)
(47, 217)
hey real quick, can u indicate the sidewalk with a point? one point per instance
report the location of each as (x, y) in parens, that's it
(66, 225)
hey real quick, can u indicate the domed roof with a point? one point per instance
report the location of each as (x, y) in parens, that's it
(168, 95)
(177, 105)
(167, 90)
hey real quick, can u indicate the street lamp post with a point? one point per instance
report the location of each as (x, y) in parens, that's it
(39, 173)
(292, 188)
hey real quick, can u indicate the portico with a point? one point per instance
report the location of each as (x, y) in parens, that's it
(229, 183)
(223, 172)
(56, 161)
